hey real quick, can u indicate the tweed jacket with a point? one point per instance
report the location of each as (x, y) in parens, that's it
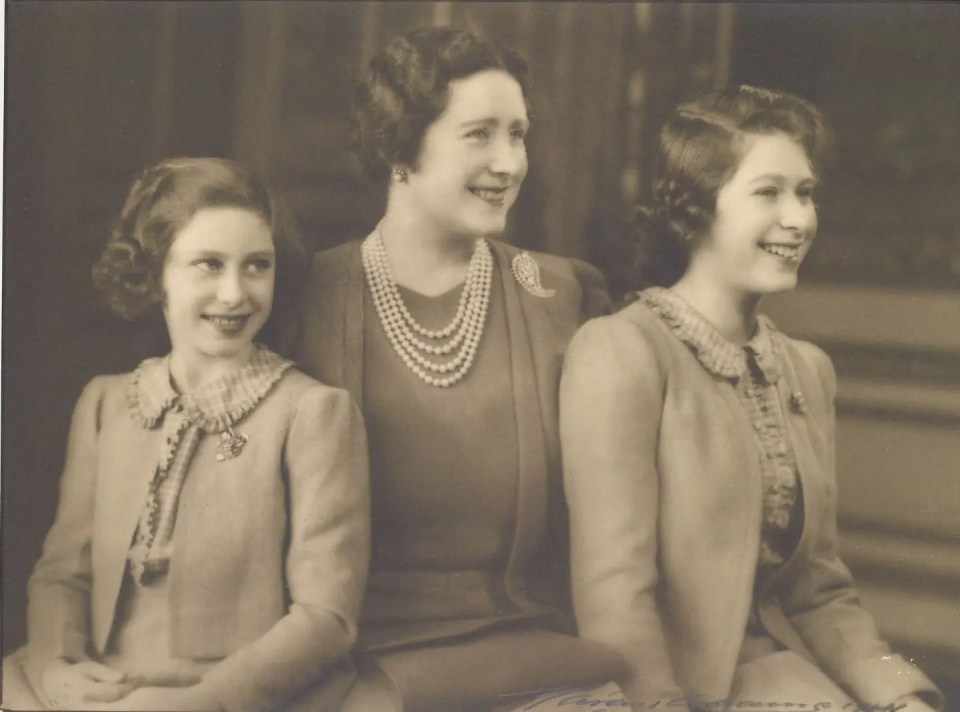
(327, 343)
(663, 485)
(270, 547)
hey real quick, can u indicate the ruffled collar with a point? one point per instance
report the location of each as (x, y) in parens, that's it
(716, 353)
(214, 406)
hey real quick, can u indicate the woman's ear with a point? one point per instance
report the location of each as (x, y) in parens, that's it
(398, 174)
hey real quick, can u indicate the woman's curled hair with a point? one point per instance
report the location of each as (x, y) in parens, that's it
(405, 90)
(161, 201)
(699, 150)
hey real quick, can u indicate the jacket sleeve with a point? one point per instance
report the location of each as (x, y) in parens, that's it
(825, 609)
(611, 399)
(326, 562)
(58, 608)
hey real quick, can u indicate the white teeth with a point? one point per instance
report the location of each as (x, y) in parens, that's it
(790, 252)
(227, 322)
(491, 196)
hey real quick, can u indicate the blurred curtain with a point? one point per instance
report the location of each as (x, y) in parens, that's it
(300, 62)
(93, 92)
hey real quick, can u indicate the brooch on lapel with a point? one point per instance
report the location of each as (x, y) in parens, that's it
(527, 273)
(231, 443)
(798, 403)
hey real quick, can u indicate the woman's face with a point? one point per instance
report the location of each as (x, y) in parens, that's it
(765, 219)
(218, 284)
(473, 158)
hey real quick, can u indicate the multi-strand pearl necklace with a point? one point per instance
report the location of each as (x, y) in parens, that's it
(457, 341)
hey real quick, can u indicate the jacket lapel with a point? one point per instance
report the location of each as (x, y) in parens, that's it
(120, 500)
(352, 294)
(809, 467)
(528, 324)
(732, 606)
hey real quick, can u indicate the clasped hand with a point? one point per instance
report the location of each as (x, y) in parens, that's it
(91, 685)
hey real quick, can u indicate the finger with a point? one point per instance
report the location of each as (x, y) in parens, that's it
(100, 672)
(107, 691)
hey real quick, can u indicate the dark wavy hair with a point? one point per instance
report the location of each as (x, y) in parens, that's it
(405, 90)
(161, 201)
(701, 146)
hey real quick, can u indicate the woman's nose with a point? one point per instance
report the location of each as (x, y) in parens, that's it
(798, 213)
(230, 288)
(509, 157)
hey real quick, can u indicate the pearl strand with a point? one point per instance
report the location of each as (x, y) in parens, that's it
(396, 306)
(379, 252)
(401, 328)
(402, 339)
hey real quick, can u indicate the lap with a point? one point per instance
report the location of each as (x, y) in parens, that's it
(500, 671)
(372, 692)
(18, 693)
(785, 676)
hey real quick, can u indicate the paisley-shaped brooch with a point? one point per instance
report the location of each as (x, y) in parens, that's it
(527, 273)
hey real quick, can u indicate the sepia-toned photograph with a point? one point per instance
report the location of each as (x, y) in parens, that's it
(481, 356)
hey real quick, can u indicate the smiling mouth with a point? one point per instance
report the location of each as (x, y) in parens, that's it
(494, 196)
(791, 253)
(228, 324)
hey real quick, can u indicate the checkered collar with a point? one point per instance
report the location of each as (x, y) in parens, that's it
(715, 352)
(214, 406)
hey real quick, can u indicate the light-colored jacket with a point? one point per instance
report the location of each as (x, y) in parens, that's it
(664, 490)
(271, 547)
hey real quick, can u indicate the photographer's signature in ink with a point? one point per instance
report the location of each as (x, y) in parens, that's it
(568, 697)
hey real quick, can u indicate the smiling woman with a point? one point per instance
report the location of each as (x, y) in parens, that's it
(472, 160)
(698, 441)
(451, 343)
(218, 289)
(211, 542)
(764, 224)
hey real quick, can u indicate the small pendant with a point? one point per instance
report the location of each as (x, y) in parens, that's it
(138, 571)
(527, 273)
(231, 443)
(798, 404)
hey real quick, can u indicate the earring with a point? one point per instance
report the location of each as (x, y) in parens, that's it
(399, 174)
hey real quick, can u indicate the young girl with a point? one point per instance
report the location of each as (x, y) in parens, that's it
(698, 441)
(211, 542)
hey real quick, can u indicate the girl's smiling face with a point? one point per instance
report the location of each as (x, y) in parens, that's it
(765, 219)
(218, 285)
(473, 158)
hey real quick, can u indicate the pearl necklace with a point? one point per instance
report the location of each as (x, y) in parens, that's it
(458, 340)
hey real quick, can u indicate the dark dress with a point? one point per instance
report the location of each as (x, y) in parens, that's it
(469, 590)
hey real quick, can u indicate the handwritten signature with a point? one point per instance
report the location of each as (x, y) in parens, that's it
(567, 697)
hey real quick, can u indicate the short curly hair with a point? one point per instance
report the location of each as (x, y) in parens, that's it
(700, 147)
(161, 201)
(405, 90)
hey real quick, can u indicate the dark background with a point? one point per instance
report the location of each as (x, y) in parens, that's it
(96, 90)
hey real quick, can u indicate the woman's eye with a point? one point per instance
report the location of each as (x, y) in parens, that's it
(480, 133)
(518, 134)
(768, 191)
(209, 264)
(806, 194)
(259, 266)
